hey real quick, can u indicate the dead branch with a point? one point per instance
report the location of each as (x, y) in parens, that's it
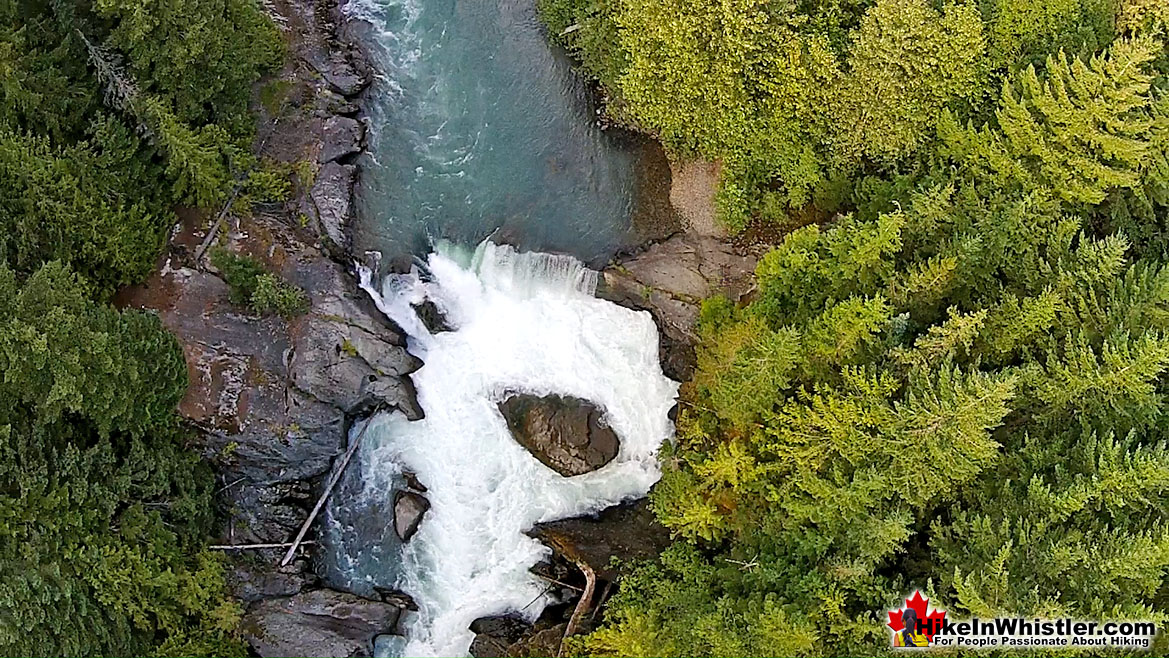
(248, 547)
(557, 582)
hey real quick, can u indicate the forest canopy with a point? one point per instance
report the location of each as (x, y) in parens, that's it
(953, 375)
(112, 112)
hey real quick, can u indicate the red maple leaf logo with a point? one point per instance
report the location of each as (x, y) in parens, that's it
(931, 621)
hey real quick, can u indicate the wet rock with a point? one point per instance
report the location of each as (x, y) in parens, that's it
(495, 635)
(413, 482)
(566, 434)
(264, 513)
(432, 316)
(670, 279)
(409, 508)
(334, 103)
(394, 597)
(317, 623)
(332, 197)
(339, 70)
(251, 581)
(342, 137)
(627, 532)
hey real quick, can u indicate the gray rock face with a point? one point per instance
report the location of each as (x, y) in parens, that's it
(318, 623)
(409, 508)
(343, 137)
(345, 366)
(252, 581)
(339, 69)
(566, 434)
(670, 279)
(273, 396)
(332, 197)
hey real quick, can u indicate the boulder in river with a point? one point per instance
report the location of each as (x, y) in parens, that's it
(565, 433)
(432, 316)
(321, 622)
(409, 508)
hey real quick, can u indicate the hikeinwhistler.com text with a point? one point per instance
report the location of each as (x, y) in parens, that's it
(1021, 632)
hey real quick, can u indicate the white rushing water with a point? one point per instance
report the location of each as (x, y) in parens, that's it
(524, 322)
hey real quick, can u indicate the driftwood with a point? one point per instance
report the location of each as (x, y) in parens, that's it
(333, 479)
(582, 605)
(557, 582)
(247, 547)
(213, 232)
(601, 601)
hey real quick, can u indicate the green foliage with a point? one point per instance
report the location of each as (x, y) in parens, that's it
(103, 509)
(957, 383)
(254, 286)
(113, 111)
(199, 57)
(240, 272)
(275, 295)
(907, 62)
(110, 113)
(62, 204)
(1023, 33)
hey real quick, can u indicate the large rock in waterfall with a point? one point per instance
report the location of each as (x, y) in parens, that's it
(321, 622)
(566, 434)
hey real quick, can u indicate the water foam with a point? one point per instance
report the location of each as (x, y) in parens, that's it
(524, 322)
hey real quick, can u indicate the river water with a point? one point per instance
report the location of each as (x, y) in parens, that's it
(480, 129)
(483, 134)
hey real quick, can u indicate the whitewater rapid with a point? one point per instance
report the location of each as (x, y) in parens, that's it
(523, 322)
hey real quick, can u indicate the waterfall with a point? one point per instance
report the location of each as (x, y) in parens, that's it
(523, 322)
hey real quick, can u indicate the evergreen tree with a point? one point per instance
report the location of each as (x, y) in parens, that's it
(102, 509)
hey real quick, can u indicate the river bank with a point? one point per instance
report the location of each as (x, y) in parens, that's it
(273, 399)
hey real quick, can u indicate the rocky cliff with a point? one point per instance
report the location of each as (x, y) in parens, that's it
(272, 397)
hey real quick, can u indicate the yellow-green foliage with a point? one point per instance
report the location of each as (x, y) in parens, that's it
(907, 62)
(958, 382)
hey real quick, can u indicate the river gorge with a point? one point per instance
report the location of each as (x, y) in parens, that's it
(487, 192)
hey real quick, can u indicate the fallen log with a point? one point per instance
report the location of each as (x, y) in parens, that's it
(246, 547)
(333, 479)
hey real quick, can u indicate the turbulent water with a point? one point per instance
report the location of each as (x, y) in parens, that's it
(523, 322)
(480, 129)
